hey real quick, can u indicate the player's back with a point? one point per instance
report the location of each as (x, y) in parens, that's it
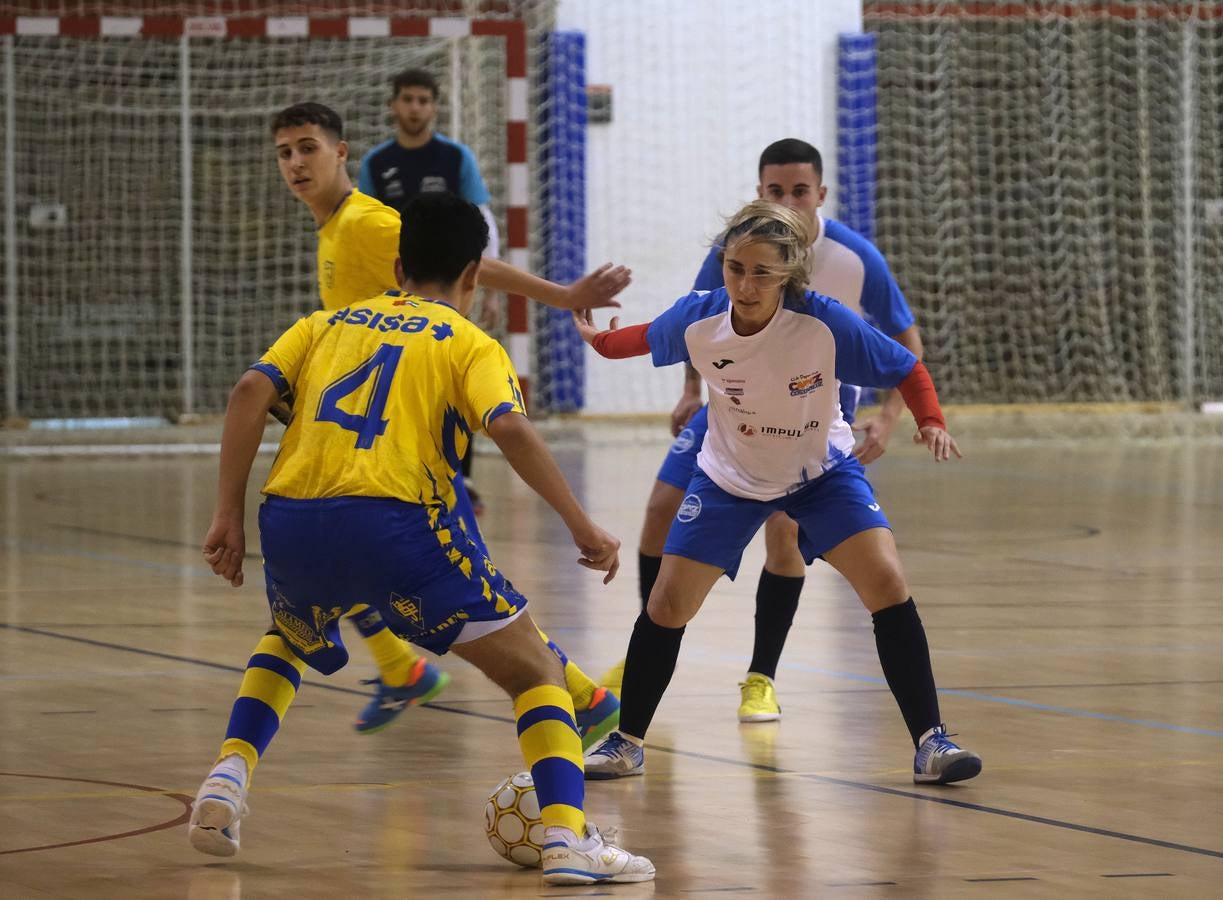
(386, 393)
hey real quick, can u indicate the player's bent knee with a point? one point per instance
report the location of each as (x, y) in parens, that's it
(887, 588)
(513, 657)
(670, 608)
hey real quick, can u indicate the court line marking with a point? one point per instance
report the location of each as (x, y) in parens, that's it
(958, 804)
(1004, 701)
(180, 819)
(1141, 875)
(777, 770)
(850, 676)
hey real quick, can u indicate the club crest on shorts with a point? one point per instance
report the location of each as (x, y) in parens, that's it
(689, 509)
(409, 608)
(306, 636)
(683, 441)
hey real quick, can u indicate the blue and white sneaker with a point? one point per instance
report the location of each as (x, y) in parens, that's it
(940, 761)
(614, 757)
(593, 860)
(219, 806)
(425, 682)
(599, 718)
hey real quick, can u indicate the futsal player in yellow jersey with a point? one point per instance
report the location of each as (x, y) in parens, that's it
(359, 510)
(358, 244)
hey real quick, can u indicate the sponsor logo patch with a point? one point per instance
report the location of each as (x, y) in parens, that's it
(689, 509)
(791, 433)
(801, 385)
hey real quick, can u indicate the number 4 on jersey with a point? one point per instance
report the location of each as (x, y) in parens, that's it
(369, 425)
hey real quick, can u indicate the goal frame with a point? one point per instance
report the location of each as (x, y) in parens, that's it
(184, 29)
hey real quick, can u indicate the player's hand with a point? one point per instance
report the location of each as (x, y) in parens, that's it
(876, 432)
(490, 311)
(598, 288)
(941, 444)
(600, 550)
(687, 407)
(225, 548)
(584, 320)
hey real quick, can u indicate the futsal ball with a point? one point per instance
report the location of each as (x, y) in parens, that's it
(512, 822)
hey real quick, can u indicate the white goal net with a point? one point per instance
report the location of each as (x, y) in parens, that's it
(1050, 179)
(118, 312)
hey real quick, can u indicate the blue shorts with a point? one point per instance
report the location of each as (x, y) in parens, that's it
(465, 513)
(714, 527)
(680, 463)
(414, 564)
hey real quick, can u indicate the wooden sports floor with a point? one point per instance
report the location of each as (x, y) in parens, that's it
(1072, 593)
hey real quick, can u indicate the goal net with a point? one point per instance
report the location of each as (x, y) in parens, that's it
(124, 138)
(1049, 184)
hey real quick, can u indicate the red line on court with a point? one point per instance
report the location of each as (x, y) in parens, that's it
(179, 820)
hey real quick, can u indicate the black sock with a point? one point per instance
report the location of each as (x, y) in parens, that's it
(648, 667)
(905, 657)
(647, 574)
(776, 603)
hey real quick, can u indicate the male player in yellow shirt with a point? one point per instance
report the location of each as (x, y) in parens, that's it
(360, 509)
(357, 249)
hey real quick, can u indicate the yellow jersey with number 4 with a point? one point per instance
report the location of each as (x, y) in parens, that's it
(357, 248)
(386, 394)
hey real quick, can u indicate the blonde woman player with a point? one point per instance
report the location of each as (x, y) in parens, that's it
(773, 356)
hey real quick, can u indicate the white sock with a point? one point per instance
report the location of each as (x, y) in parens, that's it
(233, 766)
(635, 741)
(561, 833)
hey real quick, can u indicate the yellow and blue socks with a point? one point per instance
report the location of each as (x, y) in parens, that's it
(393, 655)
(552, 750)
(273, 675)
(582, 688)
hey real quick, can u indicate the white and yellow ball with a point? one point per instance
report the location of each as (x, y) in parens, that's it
(512, 822)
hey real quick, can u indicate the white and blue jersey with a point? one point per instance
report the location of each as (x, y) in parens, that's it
(775, 420)
(394, 174)
(843, 265)
(847, 267)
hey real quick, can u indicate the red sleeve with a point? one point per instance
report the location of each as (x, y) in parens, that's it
(921, 398)
(623, 342)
